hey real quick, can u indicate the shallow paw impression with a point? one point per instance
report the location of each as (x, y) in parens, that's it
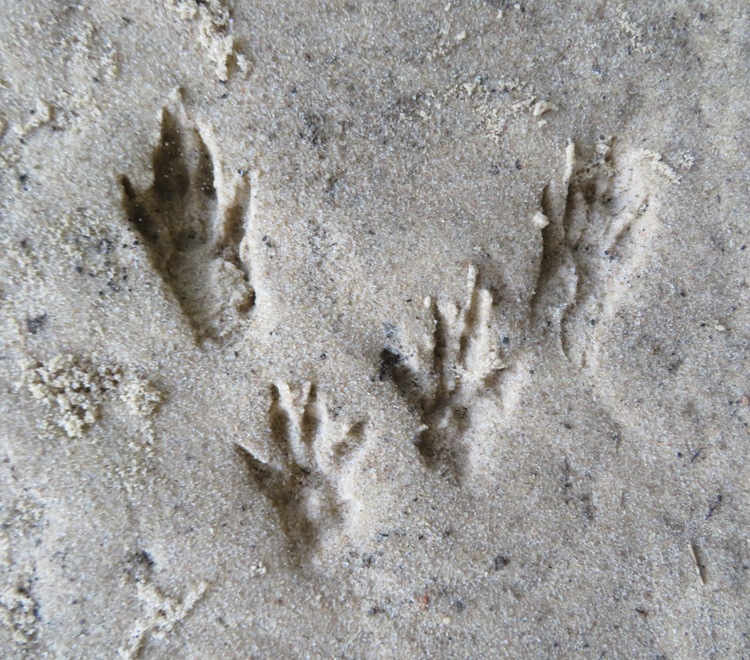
(595, 229)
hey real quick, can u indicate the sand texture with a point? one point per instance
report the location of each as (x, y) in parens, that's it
(374, 329)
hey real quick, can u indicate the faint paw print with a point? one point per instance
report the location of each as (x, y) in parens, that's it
(600, 222)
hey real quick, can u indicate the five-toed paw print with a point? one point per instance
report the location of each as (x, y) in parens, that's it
(309, 454)
(462, 365)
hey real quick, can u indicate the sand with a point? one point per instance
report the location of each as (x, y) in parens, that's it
(374, 329)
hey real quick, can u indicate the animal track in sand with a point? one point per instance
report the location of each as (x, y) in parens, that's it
(462, 365)
(595, 230)
(309, 454)
(194, 226)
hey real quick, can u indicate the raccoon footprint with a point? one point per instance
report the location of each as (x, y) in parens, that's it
(599, 222)
(193, 224)
(303, 479)
(463, 365)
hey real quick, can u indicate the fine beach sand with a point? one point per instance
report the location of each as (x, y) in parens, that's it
(374, 329)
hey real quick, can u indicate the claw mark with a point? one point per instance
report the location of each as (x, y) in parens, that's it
(464, 365)
(194, 225)
(603, 206)
(303, 479)
(696, 555)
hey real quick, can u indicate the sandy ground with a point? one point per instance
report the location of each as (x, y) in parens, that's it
(374, 329)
